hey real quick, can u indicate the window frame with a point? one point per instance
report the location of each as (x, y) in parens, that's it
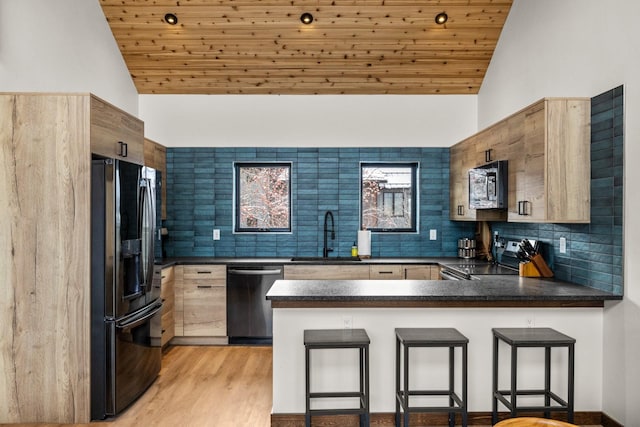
(415, 199)
(237, 166)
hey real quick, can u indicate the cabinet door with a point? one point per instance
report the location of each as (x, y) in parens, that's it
(205, 300)
(326, 272)
(462, 157)
(527, 202)
(155, 156)
(115, 133)
(167, 293)
(417, 272)
(385, 271)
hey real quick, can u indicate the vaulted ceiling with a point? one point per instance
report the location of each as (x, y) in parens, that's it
(351, 47)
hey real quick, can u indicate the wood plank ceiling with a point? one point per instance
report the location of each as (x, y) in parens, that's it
(352, 46)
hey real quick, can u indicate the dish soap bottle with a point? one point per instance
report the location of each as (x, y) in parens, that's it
(354, 250)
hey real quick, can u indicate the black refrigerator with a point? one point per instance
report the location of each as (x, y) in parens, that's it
(125, 304)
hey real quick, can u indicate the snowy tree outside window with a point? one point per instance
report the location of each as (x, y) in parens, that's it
(388, 192)
(263, 197)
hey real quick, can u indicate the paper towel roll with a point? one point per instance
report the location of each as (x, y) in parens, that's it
(364, 243)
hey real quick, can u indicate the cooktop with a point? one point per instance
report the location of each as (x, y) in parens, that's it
(479, 268)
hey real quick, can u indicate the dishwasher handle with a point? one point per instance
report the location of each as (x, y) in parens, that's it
(255, 272)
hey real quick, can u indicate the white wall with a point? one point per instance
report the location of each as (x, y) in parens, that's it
(333, 369)
(62, 46)
(582, 48)
(308, 120)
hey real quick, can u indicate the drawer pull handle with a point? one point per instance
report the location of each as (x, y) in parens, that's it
(204, 286)
(204, 272)
(385, 272)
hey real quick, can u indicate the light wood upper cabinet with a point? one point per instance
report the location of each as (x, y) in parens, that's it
(547, 148)
(326, 272)
(155, 156)
(115, 133)
(201, 301)
(464, 156)
(550, 177)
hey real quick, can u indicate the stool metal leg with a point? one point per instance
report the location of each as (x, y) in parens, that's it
(494, 400)
(405, 397)
(397, 382)
(465, 414)
(307, 415)
(452, 415)
(570, 383)
(366, 388)
(514, 380)
(547, 380)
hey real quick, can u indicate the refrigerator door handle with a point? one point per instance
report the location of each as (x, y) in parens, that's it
(147, 227)
(138, 320)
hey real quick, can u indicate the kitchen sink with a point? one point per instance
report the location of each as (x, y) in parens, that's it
(327, 260)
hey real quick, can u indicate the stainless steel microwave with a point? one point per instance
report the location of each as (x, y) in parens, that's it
(488, 186)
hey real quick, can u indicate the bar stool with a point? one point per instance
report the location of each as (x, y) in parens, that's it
(338, 339)
(532, 422)
(430, 337)
(546, 338)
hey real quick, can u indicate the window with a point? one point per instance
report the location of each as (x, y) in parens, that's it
(388, 196)
(262, 197)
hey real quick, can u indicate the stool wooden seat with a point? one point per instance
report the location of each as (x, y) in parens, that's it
(315, 339)
(533, 422)
(546, 338)
(430, 337)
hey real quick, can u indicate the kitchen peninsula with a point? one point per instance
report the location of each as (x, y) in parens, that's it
(473, 307)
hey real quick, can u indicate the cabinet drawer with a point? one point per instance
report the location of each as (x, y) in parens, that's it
(382, 272)
(167, 275)
(326, 272)
(418, 272)
(197, 272)
(205, 311)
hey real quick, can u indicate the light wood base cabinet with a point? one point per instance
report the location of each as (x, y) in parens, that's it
(167, 293)
(362, 272)
(326, 272)
(201, 301)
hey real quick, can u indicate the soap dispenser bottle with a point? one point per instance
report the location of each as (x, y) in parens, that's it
(354, 250)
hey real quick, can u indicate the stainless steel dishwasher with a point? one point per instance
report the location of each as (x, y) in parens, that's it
(249, 314)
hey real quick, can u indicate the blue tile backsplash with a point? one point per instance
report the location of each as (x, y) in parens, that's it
(594, 251)
(201, 199)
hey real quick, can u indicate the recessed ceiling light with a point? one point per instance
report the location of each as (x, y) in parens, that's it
(441, 18)
(306, 18)
(170, 19)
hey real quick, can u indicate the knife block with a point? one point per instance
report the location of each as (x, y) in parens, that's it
(527, 269)
(537, 267)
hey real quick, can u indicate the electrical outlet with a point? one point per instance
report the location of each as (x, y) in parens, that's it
(433, 234)
(216, 234)
(530, 321)
(563, 245)
(347, 322)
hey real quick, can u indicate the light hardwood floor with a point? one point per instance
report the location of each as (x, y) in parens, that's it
(225, 386)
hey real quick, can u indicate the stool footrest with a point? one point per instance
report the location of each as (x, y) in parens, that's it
(346, 411)
(335, 394)
(452, 395)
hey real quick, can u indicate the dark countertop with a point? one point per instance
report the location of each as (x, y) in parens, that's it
(168, 262)
(489, 291)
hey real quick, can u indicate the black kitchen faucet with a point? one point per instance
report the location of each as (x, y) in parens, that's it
(326, 249)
